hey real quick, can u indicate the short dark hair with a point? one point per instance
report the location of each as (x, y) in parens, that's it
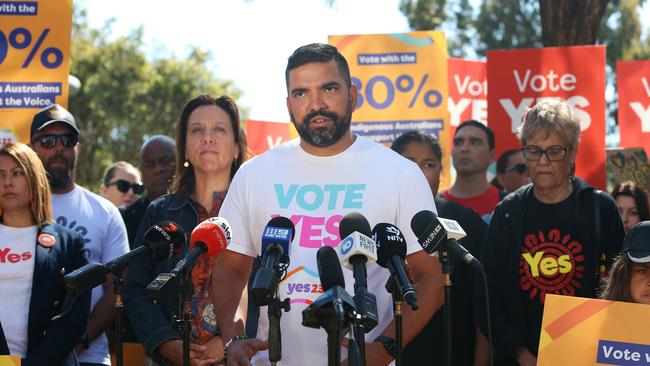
(400, 143)
(318, 52)
(640, 196)
(477, 124)
(502, 162)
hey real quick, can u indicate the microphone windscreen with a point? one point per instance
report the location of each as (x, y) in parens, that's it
(214, 232)
(164, 239)
(421, 221)
(352, 222)
(389, 241)
(329, 268)
(283, 222)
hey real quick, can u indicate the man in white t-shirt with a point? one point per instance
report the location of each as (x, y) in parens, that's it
(315, 180)
(54, 137)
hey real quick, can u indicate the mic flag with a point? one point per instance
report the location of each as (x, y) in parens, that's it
(355, 231)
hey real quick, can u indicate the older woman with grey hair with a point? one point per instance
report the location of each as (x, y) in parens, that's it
(556, 235)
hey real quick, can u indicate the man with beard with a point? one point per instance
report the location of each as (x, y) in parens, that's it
(157, 164)
(55, 138)
(315, 180)
(473, 152)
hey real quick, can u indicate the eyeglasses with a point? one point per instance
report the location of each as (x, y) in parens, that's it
(124, 186)
(67, 140)
(534, 153)
(519, 168)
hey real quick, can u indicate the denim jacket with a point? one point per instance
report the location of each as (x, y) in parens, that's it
(154, 322)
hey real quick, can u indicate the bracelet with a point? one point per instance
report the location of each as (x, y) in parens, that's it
(229, 343)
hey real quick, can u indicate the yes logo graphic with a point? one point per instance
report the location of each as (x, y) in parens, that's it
(6, 256)
(551, 263)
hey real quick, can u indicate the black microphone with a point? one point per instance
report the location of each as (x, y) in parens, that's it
(334, 297)
(159, 243)
(276, 244)
(436, 233)
(391, 251)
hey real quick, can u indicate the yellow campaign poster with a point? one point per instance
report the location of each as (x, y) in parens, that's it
(34, 61)
(402, 84)
(578, 331)
(9, 360)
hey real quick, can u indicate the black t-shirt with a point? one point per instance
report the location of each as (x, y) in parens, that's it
(554, 260)
(430, 343)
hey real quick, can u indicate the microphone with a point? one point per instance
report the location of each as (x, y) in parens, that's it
(276, 243)
(391, 251)
(436, 233)
(335, 298)
(159, 243)
(357, 250)
(210, 237)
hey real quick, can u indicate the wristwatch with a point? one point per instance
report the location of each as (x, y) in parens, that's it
(84, 340)
(229, 343)
(389, 344)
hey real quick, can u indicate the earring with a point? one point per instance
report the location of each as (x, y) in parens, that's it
(235, 161)
(186, 164)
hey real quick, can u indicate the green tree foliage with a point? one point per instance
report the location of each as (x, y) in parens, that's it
(125, 96)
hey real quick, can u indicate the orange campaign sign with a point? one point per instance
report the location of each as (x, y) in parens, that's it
(578, 331)
(262, 136)
(519, 79)
(467, 92)
(633, 80)
(34, 61)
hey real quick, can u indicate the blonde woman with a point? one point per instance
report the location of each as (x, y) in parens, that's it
(37, 253)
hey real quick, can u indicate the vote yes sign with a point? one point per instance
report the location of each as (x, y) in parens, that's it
(633, 80)
(467, 91)
(519, 79)
(262, 136)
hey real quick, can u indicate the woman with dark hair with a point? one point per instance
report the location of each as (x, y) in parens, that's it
(629, 278)
(632, 202)
(38, 252)
(210, 148)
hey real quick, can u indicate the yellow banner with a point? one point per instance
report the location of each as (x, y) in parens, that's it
(34, 61)
(9, 360)
(402, 82)
(578, 331)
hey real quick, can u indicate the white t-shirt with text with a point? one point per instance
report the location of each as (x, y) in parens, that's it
(17, 247)
(104, 236)
(315, 193)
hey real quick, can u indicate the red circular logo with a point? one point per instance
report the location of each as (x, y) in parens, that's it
(46, 240)
(550, 263)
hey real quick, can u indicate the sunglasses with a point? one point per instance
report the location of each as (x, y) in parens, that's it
(124, 186)
(520, 168)
(67, 140)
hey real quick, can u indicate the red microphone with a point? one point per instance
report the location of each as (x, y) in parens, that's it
(211, 236)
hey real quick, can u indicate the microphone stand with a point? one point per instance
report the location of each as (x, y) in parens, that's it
(187, 290)
(446, 270)
(118, 313)
(398, 299)
(275, 308)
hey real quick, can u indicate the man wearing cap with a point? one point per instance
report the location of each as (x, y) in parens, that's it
(55, 138)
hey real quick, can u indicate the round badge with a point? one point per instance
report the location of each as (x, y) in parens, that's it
(46, 240)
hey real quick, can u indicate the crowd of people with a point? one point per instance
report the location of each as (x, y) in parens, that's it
(537, 229)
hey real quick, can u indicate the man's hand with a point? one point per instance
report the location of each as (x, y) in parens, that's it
(241, 351)
(212, 354)
(525, 357)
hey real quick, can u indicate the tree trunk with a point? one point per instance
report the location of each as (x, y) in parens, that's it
(571, 22)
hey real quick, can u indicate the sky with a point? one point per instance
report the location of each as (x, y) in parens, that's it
(250, 40)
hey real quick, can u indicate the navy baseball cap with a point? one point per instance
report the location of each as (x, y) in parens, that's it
(52, 114)
(637, 243)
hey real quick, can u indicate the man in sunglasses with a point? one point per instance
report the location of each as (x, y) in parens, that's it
(512, 172)
(55, 138)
